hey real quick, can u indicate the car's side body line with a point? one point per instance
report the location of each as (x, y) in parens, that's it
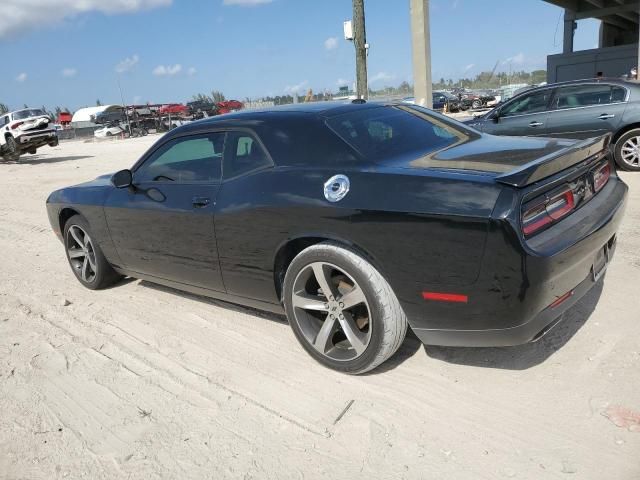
(205, 292)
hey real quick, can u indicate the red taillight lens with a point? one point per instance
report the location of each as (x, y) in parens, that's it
(535, 219)
(561, 205)
(16, 125)
(540, 215)
(601, 177)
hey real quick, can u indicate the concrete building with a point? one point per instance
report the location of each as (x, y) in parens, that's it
(617, 51)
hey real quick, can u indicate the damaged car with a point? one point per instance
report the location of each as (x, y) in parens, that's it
(24, 131)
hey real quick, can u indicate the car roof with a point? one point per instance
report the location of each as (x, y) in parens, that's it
(246, 117)
(615, 81)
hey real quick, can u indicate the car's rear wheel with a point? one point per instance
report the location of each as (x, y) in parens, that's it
(341, 309)
(85, 257)
(476, 104)
(627, 150)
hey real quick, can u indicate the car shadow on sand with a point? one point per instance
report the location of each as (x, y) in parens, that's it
(37, 159)
(522, 357)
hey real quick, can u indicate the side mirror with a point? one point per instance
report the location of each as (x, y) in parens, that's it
(122, 179)
(496, 116)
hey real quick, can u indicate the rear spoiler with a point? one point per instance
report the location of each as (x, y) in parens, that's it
(553, 163)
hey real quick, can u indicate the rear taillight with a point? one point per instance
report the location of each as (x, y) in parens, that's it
(538, 215)
(601, 177)
(547, 209)
(16, 125)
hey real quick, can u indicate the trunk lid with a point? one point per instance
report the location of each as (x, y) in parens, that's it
(515, 161)
(34, 123)
(555, 162)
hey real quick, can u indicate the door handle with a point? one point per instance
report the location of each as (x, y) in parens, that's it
(201, 202)
(536, 124)
(606, 116)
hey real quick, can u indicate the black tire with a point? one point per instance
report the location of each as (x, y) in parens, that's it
(625, 141)
(54, 143)
(109, 134)
(476, 104)
(12, 151)
(386, 323)
(103, 274)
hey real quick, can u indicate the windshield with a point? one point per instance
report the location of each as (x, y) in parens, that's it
(22, 114)
(386, 132)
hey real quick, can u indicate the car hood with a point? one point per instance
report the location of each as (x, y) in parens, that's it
(488, 154)
(101, 181)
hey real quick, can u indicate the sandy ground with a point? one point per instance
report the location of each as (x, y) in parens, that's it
(143, 382)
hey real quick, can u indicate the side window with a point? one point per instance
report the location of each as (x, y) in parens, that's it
(243, 154)
(582, 96)
(195, 158)
(618, 94)
(531, 103)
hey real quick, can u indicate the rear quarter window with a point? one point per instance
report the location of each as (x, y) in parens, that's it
(303, 139)
(387, 132)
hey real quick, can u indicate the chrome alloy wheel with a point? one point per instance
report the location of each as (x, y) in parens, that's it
(81, 253)
(331, 311)
(630, 152)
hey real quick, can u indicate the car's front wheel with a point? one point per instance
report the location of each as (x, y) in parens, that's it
(85, 257)
(627, 150)
(341, 309)
(12, 151)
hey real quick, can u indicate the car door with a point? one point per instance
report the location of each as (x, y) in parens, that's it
(524, 115)
(241, 212)
(163, 226)
(588, 110)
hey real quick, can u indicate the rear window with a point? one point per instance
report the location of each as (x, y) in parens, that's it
(387, 132)
(22, 114)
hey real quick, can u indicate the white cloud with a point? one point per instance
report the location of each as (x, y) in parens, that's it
(21, 77)
(331, 43)
(517, 59)
(381, 77)
(127, 64)
(341, 82)
(69, 72)
(469, 67)
(296, 88)
(167, 70)
(192, 71)
(246, 3)
(20, 15)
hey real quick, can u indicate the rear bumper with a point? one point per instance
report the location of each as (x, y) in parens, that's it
(560, 264)
(37, 137)
(529, 332)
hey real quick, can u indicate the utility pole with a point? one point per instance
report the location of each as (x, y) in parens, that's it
(360, 43)
(126, 114)
(421, 42)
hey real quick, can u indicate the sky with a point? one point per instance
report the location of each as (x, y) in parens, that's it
(70, 53)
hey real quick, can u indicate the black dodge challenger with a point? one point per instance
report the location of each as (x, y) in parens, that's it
(359, 221)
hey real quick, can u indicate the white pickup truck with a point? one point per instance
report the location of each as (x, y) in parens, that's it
(24, 131)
